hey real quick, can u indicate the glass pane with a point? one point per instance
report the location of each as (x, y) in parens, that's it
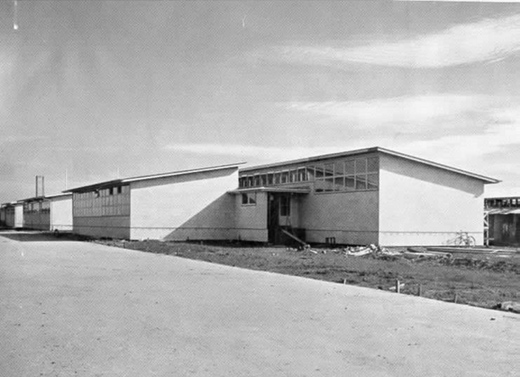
(372, 181)
(319, 171)
(372, 165)
(361, 182)
(270, 179)
(329, 184)
(361, 165)
(350, 167)
(310, 173)
(350, 183)
(302, 176)
(339, 184)
(293, 176)
(329, 170)
(252, 198)
(285, 177)
(319, 185)
(338, 168)
(277, 178)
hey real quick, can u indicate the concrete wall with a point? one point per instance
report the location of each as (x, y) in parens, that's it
(103, 226)
(18, 215)
(423, 205)
(61, 213)
(192, 206)
(350, 217)
(251, 220)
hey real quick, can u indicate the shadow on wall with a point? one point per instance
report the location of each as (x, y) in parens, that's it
(216, 221)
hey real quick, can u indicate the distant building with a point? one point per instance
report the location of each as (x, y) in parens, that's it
(13, 213)
(366, 196)
(2, 214)
(503, 220)
(48, 213)
(190, 204)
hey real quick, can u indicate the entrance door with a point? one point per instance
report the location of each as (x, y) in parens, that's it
(278, 217)
(273, 222)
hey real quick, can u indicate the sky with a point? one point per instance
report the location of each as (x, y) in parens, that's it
(96, 90)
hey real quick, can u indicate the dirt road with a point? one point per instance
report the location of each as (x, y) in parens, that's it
(81, 309)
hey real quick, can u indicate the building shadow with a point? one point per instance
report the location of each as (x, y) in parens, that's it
(34, 236)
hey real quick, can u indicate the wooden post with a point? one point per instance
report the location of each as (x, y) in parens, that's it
(397, 287)
(455, 298)
(419, 290)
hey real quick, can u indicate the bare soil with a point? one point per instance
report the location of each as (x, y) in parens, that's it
(483, 279)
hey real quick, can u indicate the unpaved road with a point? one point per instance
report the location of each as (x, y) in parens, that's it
(81, 309)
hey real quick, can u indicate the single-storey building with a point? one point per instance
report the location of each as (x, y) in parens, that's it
(503, 220)
(13, 214)
(189, 204)
(365, 196)
(2, 214)
(48, 213)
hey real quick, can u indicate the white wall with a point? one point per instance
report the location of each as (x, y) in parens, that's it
(61, 213)
(423, 205)
(18, 215)
(350, 217)
(251, 220)
(193, 206)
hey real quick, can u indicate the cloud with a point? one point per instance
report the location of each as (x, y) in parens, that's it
(409, 113)
(479, 42)
(263, 154)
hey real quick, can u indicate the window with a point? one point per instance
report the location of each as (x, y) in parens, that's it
(249, 198)
(285, 206)
(357, 174)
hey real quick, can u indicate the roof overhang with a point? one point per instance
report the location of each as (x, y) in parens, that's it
(289, 190)
(126, 181)
(504, 211)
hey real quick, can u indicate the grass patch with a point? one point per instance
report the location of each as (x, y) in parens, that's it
(481, 280)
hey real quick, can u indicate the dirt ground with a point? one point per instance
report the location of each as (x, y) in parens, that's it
(73, 308)
(484, 278)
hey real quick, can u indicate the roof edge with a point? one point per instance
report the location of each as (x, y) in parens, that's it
(438, 165)
(370, 150)
(116, 182)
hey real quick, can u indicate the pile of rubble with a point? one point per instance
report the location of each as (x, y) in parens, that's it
(376, 251)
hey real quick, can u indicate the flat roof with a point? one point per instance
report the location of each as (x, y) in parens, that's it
(123, 181)
(373, 150)
(40, 198)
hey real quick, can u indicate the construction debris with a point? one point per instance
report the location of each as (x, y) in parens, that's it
(509, 306)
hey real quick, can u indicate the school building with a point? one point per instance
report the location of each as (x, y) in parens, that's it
(189, 204)
(503, 220)
(366, 196)
(52, 212)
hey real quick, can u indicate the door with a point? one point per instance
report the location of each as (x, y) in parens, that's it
(273, 224)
